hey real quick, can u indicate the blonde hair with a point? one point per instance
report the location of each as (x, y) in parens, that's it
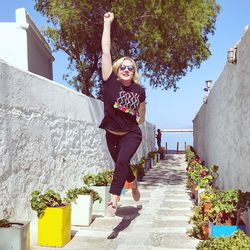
(118, 63)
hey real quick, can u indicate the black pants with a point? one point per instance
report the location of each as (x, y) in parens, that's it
(122, 148)
(159, 143)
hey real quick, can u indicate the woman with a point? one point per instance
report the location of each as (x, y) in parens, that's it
(124, 99)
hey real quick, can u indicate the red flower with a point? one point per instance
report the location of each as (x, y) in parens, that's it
(203, 173)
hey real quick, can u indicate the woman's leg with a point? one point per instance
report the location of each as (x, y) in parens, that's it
(113, 143)
(128, 144)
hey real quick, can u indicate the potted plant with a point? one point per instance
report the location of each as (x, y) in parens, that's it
(143, 161)
(14, 235)
(151, 156)
(189, 154)
(225, 212)
(140, 171)
(196, 171)
(54, 218)
(161, 153)
(239, 240)
(82, 200)
(199, 221)
(134, 168)
(100, 182)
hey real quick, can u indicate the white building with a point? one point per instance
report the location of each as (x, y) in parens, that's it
(23, 46)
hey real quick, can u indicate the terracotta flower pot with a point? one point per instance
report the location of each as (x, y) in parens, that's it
(127, 185)
(206, 207)
(193, 190)
(205, 229)
(149, 164)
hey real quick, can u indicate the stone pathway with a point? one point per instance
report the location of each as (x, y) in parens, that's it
(158, 221)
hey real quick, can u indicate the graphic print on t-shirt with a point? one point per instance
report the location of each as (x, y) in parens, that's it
(127, 102)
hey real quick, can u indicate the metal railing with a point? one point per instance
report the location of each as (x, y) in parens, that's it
(177, 150)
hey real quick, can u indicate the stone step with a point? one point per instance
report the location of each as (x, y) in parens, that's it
(159, 221)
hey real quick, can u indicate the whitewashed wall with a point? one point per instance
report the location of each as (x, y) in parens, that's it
(49, 137)
(222, 126)
(23, 46)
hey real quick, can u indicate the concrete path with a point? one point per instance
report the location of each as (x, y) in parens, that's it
(158, 221)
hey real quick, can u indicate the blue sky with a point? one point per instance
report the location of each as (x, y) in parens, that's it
(169, 109)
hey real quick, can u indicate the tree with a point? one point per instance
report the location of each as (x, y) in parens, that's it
(166, 38)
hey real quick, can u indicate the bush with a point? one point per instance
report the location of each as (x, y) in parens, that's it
(72, 194)
(239, 240)
(39, 202)
(101, 179)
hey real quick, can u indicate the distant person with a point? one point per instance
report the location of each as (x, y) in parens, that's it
(158, 138)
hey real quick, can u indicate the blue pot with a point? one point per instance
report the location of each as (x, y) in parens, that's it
(145, 167)
(221, 230)
(152, 162)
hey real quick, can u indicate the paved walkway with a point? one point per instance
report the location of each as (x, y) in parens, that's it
(158, 221)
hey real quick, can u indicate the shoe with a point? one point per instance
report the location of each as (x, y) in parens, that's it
(135, 192)
(111, 209)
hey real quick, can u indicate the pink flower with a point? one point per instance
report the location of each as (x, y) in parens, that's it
(203, 173)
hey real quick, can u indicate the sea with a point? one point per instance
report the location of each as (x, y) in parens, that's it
(172, 138)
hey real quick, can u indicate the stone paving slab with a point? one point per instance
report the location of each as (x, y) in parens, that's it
(158, 221)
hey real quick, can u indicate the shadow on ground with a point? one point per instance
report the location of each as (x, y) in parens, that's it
(173, 175)
(128, 213)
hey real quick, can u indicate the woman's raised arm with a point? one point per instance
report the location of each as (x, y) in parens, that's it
(106, 44)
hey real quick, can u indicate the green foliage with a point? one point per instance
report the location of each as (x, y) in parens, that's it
(151, 154)
(196, 171)
(198, 220)
(189, 154)
(100, 179)
(143, 160)
(239, 240)
(39, 202)
(72, 194)
(223, 203)
(166, 38)
(4, 223)
(205, 182)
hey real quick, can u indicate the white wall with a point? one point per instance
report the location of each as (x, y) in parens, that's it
(49, 136)
(11, 50)
(23, 46)
(222, 126)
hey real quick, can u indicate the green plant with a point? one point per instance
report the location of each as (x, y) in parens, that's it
(142, 161)
(224, 203)
(226, 207)
(207, 195)
(4, 223)
(134, 168)
(205, 182)
(239, 240)
(72, 194)
(151, 154)
(196, 171)
(189, 154)
(39, 202)
(198, 220)
(100, 179)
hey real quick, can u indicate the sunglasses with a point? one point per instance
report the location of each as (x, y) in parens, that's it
(129, 67)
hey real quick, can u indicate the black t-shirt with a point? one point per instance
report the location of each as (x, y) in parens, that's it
(121, 104)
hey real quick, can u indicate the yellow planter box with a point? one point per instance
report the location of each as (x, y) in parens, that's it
(54, 226)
